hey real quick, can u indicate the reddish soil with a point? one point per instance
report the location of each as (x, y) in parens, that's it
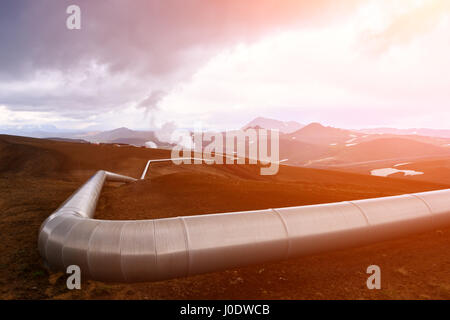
(36, 176)
(433, 169)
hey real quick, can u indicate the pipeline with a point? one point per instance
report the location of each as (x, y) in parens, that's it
(144, 173)
(159, 249)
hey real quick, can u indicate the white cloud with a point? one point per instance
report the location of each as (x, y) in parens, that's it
(303, 64)
(325, 74)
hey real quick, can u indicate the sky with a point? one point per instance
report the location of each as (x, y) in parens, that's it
(146, 64)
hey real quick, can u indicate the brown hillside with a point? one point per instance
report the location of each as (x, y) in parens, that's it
(414, 267)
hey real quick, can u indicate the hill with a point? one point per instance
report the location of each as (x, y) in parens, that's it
(266, 123)
(127, 136)
(315, 133)
(389, 148)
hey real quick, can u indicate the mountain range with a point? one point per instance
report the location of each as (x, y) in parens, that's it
(443, 133)
(313, 145)
(266, 123)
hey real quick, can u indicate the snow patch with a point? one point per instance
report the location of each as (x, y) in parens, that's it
(384, 172)
(401, 164)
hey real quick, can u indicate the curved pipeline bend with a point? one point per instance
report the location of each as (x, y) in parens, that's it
(144, 173)
(151, 250)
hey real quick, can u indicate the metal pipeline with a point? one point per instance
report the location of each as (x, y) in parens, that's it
(158, 249)
(144, 173)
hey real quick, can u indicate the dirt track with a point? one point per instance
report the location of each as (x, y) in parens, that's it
(416, 267)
